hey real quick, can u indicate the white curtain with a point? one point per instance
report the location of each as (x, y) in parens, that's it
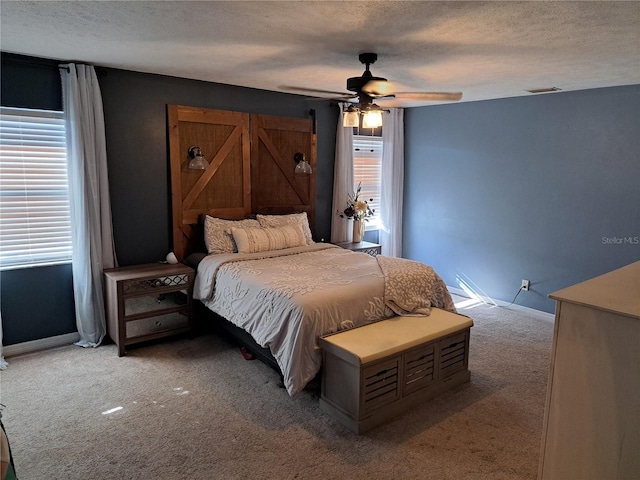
(392, 184)
(342, 228)
(91, 231)
(3, 363)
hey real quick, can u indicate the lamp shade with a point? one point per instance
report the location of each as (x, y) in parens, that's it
(372, 119)
(304, 167)
(197, 162)
(350, 119)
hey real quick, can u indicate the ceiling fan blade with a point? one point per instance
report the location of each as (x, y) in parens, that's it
(432, 96)
(316, 90)
(381, 89)
(377, 88)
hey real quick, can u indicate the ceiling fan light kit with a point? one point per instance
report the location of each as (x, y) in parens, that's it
(371, 116)
(367, 88)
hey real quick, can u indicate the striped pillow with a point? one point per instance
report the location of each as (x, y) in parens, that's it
(252, 240)
(300, 219)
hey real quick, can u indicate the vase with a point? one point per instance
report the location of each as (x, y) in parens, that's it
(358, 231)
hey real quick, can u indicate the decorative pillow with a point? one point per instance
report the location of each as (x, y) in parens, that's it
(291, 219)
(251, 240)
(217, 233)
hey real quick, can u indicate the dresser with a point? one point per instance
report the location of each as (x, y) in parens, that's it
(591, 427)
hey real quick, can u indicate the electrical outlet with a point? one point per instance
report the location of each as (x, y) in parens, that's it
(525, 285)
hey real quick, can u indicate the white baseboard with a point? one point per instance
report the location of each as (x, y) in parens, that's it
(548, 317)
(40, 344)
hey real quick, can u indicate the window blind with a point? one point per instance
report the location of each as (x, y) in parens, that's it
(35, 223)
(367, 162)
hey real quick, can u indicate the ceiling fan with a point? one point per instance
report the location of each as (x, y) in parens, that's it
(367, 88)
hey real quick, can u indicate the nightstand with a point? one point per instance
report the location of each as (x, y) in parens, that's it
(147, 302)
(372, 249)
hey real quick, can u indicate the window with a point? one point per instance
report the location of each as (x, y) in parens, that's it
(35, 222)
(367, 161)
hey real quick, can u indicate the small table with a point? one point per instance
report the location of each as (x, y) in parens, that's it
(146, 302)
(372, 249)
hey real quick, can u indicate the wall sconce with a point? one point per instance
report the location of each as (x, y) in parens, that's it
(302, 166)
(198, 162)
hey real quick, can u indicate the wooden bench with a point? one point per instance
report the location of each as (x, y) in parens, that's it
(376, 372)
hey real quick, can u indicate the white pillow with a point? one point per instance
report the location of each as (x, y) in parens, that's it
(251, 240)
(299, 219)
(217, 233)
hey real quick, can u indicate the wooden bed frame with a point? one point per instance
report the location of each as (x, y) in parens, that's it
(251, 171)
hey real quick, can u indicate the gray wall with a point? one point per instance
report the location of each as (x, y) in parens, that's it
(525, 188)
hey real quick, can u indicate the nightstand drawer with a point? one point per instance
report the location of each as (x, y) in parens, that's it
(156, 302)
(154, 284)
(143, 327)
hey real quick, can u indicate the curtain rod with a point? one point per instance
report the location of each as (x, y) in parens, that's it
(101, 73)
(33, 64)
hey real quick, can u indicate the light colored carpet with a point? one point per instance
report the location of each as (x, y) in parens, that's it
(195, 409)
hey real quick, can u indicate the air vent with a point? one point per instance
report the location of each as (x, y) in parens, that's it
(544, 90)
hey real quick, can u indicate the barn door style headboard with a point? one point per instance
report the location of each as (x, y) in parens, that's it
(251, 169)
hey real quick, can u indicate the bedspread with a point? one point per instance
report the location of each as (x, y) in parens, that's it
(412, 288)
(287, 299)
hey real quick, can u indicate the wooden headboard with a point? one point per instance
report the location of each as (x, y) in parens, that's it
(251, 169)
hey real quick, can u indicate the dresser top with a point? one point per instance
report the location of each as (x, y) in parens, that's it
(617, 291)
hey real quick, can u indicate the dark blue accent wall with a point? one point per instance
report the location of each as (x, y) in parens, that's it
(544, 188)
(35, 301)
(137, 149)
(29, 82)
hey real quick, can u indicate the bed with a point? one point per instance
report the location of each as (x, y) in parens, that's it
(286, 299)
(263, 272)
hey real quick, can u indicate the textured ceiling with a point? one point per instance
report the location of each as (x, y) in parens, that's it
(484, 49)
